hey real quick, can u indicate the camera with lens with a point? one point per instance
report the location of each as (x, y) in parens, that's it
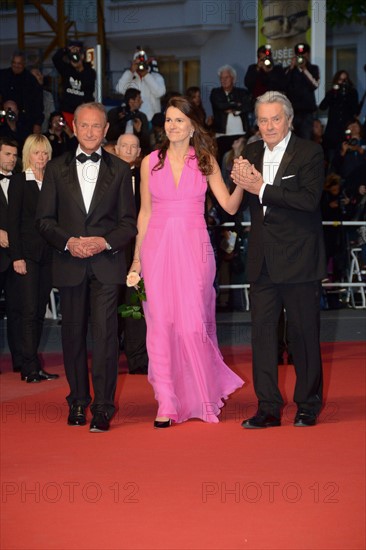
(342, 88)
(74, 56)
(140, 58)
(127, 114)
(300, 50)
(349, 139)
(7, 115)
(267, 59)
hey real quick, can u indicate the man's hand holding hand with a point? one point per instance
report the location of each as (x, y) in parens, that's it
(246, 176)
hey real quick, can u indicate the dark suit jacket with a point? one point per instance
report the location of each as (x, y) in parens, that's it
(290, 235)
(4, 252)
(61, 214)
(25, 242)
(238, 99)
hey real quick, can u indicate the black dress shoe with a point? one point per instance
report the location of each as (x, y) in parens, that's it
(100, 422)
(261, 420)
(304, 418)
(47, 376)
(32, 377)
(77, 416)
(162, 423)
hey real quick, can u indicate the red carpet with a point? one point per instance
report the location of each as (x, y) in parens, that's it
(194, 486)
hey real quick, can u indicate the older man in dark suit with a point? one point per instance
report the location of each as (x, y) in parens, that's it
(283, 179)
(230, 106)
(87, 213)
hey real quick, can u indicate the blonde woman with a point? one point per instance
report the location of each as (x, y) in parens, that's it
(30, 253)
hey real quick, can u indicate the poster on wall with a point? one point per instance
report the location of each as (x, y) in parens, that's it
(281, 25)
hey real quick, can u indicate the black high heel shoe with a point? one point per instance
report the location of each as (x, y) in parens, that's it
(162, 423)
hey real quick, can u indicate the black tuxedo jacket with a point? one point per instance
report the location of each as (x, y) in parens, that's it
(4, 252)
(61, 214)
(290, 235)
(25, 242)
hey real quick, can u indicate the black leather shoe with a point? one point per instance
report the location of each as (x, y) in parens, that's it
(47, 376)
(32, 377)
(100, 422)
(77, 416)
(304, 418)
(261, 420)
(162, 423)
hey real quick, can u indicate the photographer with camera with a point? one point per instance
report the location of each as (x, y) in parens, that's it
(128, 119)
(19, 85)
(342, 104)
(352, 155)
(13, 124)
(144, 76)
(78, 78)
(264, 76)
(59, 135)
(302, 79)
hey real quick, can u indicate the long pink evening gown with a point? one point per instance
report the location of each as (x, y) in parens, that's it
(186, 369)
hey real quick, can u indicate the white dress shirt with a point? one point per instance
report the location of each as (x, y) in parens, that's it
(5, 184)
(271, 161)
(87, 174)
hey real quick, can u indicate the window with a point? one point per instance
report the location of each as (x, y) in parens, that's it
(179, 74)
(338, 58)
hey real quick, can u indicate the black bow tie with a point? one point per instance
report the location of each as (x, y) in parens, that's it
(82, 157)
(3, 177)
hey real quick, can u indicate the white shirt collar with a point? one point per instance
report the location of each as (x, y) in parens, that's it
(79, 150)
(281, 145)
(29, 175)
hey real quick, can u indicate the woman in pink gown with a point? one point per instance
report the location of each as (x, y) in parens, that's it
(175, 257)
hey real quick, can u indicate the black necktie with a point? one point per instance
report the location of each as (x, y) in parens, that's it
(3, 177)
(82, 157)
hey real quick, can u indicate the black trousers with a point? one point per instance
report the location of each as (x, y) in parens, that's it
(99, 301)
(9, 283)
(35, 288)
(302, 303)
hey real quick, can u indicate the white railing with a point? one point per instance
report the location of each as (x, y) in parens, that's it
(343, 286)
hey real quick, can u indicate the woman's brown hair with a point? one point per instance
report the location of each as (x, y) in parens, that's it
(203, 143)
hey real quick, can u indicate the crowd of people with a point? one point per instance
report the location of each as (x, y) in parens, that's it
(70, 223)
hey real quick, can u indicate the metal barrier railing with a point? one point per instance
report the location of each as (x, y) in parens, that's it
(342, 286)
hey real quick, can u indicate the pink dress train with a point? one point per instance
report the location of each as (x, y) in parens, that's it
(186, 369)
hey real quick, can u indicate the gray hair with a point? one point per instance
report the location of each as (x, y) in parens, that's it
(228, 68)
(92, 105)
(276, 97)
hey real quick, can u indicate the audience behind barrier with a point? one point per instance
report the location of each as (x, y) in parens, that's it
(341, 137)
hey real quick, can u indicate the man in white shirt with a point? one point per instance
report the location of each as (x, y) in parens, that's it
(147, 79)
(283, 181)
